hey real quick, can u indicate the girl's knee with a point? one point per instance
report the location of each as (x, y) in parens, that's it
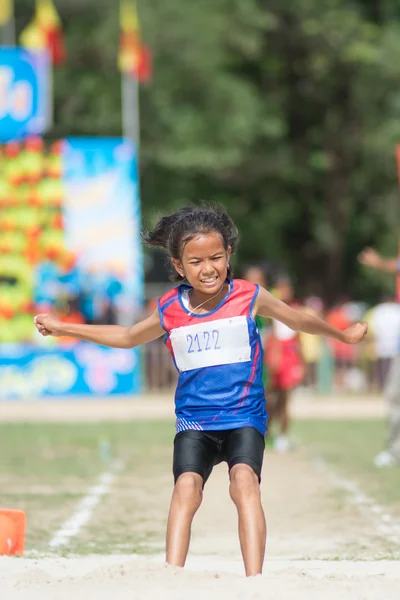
(189, 488)
(244, 482)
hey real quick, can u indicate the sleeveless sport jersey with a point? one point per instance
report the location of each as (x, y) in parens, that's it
(219, 358)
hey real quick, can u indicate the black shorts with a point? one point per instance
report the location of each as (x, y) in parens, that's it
(198, 451)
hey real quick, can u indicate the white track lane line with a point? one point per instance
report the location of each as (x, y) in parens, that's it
(84, 511)
(379, 517)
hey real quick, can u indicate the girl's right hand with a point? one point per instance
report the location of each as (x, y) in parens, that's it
(355, 333)
(47, 325)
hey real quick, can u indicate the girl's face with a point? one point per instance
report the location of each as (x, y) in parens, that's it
(204, 262)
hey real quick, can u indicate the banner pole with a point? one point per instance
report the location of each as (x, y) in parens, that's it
(130, 108)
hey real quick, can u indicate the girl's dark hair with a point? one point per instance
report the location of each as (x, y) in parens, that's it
(174, 231)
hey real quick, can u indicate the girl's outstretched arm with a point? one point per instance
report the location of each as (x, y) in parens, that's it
(268, 306)
(115, 336)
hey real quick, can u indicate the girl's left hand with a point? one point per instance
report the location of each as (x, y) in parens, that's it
(355, 333)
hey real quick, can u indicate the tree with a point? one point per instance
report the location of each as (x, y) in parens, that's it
(287, 113)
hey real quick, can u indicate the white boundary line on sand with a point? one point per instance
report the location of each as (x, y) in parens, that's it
(85, 508)
(379, 517)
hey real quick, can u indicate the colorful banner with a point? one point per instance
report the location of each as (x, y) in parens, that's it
(25, 91)
(70, 246)
(102, 217)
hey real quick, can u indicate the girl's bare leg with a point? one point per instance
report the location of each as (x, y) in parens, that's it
(186, 499)
(245, 493)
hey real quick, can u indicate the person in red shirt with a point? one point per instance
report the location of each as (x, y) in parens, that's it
(285, 365)
(71, 314)
(343, 356)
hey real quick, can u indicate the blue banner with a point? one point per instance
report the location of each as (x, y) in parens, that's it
(25, 90)
(30, 372)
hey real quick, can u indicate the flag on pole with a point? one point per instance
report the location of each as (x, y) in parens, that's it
(129, 44)
(134, 59)
(49, 21)
(144, 66)
(45, 32)
(33, 37)
(6, 11)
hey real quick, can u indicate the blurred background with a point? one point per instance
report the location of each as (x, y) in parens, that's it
(286, 113)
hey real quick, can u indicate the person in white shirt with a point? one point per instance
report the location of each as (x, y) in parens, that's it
(384, 325)
(389, 457)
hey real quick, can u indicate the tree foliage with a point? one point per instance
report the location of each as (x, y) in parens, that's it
(288, 113)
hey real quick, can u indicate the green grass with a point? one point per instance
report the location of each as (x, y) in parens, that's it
(45, 469)
(349, 447)
(51, 450)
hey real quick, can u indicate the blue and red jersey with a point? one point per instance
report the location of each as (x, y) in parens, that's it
(219, 358)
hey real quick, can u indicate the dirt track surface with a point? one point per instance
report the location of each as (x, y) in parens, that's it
(161, 406)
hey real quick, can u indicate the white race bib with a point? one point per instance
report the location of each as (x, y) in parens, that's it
(220, 342)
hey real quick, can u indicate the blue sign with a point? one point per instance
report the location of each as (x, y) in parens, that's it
(30, 372)
(24, 93)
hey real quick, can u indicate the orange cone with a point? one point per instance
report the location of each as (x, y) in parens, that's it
(12, 531)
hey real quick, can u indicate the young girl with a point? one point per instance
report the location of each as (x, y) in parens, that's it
(210, 328)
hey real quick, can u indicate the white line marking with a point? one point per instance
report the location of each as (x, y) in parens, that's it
(85, 508)
(383, 522)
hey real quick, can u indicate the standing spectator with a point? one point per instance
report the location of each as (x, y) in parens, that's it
(391, 456)
(340, 318)
(285, 366)
(70, 314)
(256, 274)
(47, 287)
(311, 344)
(384, 323)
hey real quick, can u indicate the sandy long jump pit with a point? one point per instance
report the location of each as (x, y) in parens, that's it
(147, 578)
